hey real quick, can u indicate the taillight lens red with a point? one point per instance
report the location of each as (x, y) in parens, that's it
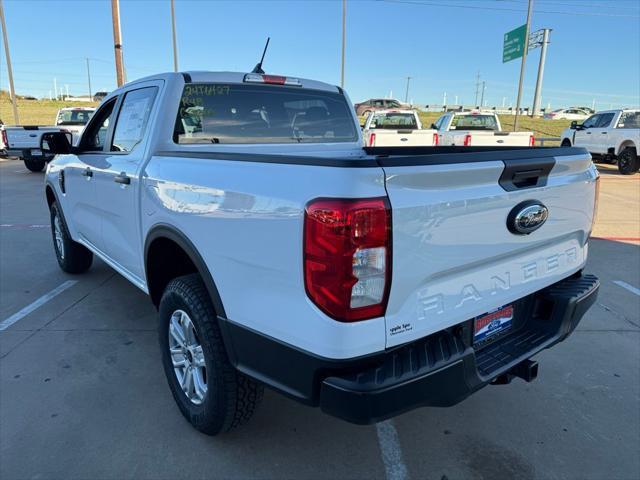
(435, 140)
(532, 140)
(347, 256)
(5, 142)
(372, 140)
(467, 140)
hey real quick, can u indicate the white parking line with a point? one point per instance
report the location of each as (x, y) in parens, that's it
(626, 286)
(391, 453)
(6, 323)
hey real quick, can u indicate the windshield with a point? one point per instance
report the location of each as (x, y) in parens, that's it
(474, 122)
(394, 121)
(74, 117)
(244, 114)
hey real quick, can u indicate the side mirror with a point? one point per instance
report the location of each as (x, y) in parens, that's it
(574, 125)
(55, 143)
(433, 126)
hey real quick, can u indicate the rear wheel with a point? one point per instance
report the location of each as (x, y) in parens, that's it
(211, 394)
(34, 165)
(628, 161)
(566, 143)
(72, 257)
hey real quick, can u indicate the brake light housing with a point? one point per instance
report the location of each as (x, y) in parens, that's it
(436, 140)
(532, 140)
(347, 256)
(272, 79)
(467, 140)
(372, 140)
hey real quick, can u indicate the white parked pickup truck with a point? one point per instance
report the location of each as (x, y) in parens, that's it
(280, 252)
(24, 142)
(611, 135)
(477, 128)
(397, 128)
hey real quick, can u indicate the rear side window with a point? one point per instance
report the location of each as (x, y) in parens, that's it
(249, 114)
(474, 122)
(629, 120)
(133, 118)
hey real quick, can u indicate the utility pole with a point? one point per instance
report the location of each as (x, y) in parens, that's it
(55, 87)
(522, 65)
(484, 86)
(444, 98)
(406, 93)
(66, 87)
(344, 39)
(543, 56)
(117, 42)
(89, 80)
(456, 100)
(475, 103)
(175, 44)
(12, 90)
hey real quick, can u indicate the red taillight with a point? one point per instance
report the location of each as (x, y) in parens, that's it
(4, 138)
(271, 79)
(436, 140)
(532, 140)
(372, 140)
(467, 140)
(347, 256)
(274, 79)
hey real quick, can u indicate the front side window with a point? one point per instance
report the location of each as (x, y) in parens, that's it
(605, 120)
(474, 122)
(252, 114)
(133, 118)
(95, 134)
(394, 121)
(592, 121)
(629, 120)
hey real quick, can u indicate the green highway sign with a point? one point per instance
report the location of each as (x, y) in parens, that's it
(514, 44)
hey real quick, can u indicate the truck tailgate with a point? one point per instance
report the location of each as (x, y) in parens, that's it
(26, 137)
(400, 138)
(454, 257)
(496, 139)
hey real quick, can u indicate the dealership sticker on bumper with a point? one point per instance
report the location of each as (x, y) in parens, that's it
(492, 323)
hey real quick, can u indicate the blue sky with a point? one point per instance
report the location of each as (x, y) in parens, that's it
(442, 44)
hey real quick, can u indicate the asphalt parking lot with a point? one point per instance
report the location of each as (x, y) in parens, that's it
(83, 394)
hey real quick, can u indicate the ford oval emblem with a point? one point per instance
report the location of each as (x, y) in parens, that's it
(527, 217)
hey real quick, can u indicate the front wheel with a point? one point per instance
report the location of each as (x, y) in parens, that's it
(34, 165)
(72, 257)
(628, 161)
(211, 394)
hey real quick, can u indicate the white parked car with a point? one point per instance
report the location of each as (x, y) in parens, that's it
(24, 141)
(478, 129)
(279, 252)
(567, 114)
(610, 135)
(397, 128)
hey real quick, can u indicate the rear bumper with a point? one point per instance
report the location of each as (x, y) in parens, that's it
(25, 154)
(439, 370)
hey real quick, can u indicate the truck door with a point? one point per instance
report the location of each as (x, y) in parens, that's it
(583, 137)
(600, 134)
(80, 202)
(118, 183)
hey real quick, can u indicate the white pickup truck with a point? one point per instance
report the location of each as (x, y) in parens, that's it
(611, 135)
(280, 252)
(24, 142)
(477, 128)
(397, 128)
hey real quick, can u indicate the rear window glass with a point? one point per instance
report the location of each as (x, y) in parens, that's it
(394, 121)
(629, 120)
(74, 117)
(474, 122)
(244, 114)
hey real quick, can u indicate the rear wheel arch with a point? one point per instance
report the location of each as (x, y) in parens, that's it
(164, 241)
(626, 144)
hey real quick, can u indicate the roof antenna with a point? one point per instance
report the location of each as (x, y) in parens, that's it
(258, 67)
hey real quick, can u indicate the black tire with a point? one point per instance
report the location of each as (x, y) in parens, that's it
(566, 143)
(73, 257)
(231, 397)
(34, 165)
(628, 161)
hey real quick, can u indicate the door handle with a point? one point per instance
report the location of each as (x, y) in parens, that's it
(122, 178)
(588, 133)
(87, 172)
(603, 133)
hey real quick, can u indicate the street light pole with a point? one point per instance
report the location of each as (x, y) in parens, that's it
(522, 65)
(537, 99)
(117, 41)
(12, 90)
(344, 39)
(89, 79)
(406, 94)
(173, 30)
